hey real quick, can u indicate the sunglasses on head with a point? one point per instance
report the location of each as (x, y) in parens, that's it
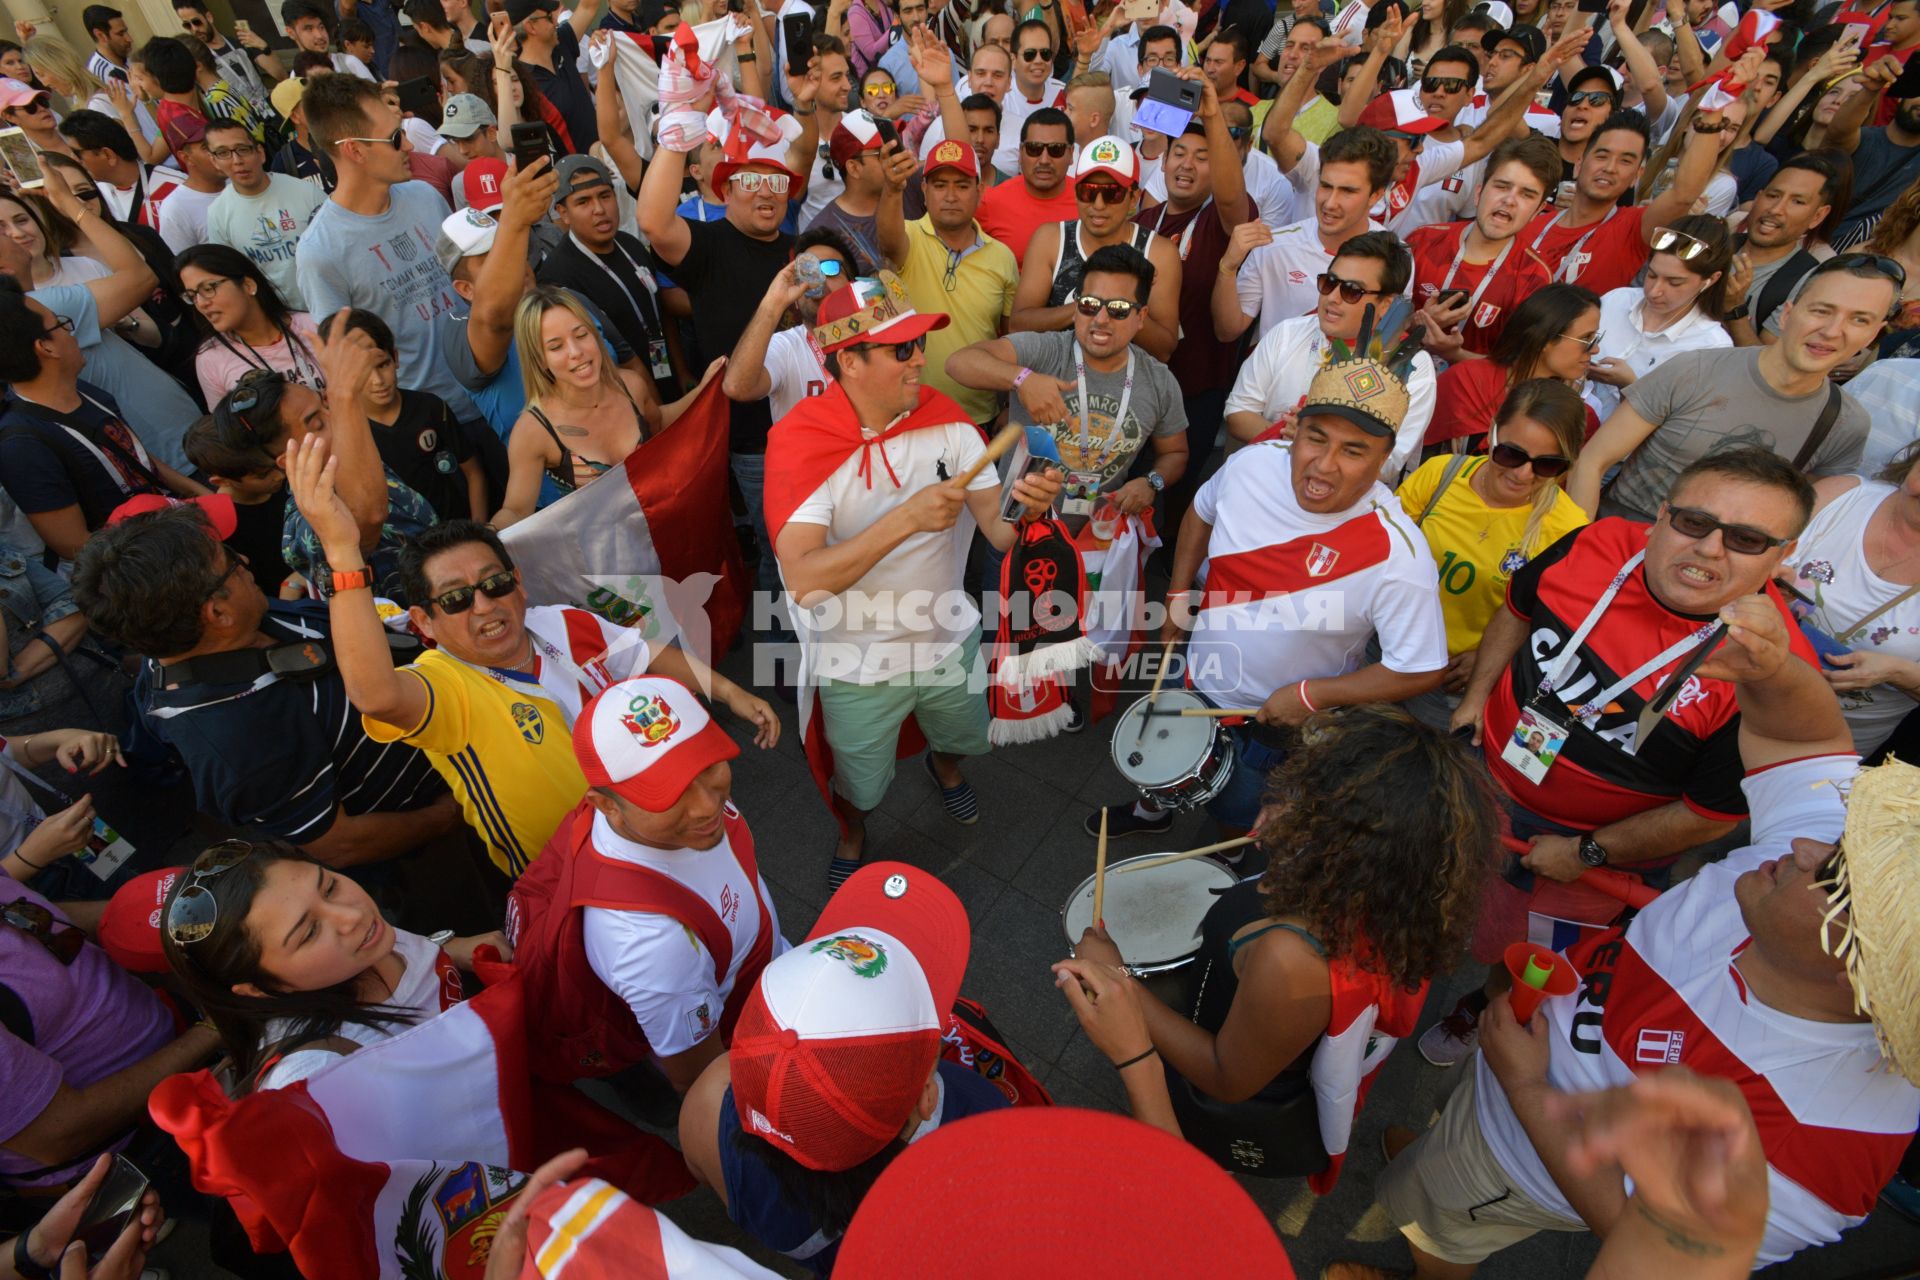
(193, 911)
(1118, 308)
(1101, 193)
(1513, 457)
(1741, 539)
(1054, 149)
(460, 599)
(1351, 291)
(1875, 262)
(1445, 84)
(1036, 55)
(775, 184)
(37, 922)
(1590, 98)
(1679, 244)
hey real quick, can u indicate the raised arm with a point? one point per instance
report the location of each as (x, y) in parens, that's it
(1283, 142)
(1697, 160)
(659, 197)
(1787, 709)
(610, 115)
(346, 362)
(1223, 157)
(525, 198)
(1508, 117)
(132, 282)
(1640, 68)
(1365, 85)
(1843, 134)
(1836, 63)
(747, 377)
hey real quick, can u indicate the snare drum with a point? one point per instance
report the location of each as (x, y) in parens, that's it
(1153, 915)
(1181, 762)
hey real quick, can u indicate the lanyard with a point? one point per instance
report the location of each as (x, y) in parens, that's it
(1493, 270)
(294, 346)
(649, 318)
(1186, 237)
(813, 345)
(1112, 438)
(1598, 703)
(1573, 251)
(116, 472)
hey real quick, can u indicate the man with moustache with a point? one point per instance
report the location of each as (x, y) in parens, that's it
(1783, 238)
(1013, 211)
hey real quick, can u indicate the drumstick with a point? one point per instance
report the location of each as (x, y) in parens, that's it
(1100, 876)
(1212, 713)
(1179, 857)
(1001, 443)
(1631, 890)
(1153, 697)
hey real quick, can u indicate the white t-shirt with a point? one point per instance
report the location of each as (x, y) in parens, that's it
(1723, 192)
(1295, 595)
(795, 373)
(76, 270)
(1437, 162)
(1014, 110)
(353, 66)
(1277, 373)
(158, 183)
(659, 966)
(824, 183)
(420, 992)
(1828, 1108)
(422, 135)
(1276, 281)
(1450, 199)
(183, 217)
(1623, 333)
(908, 612)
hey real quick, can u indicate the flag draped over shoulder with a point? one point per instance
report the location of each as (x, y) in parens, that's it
(649, 544)
(398, 1160)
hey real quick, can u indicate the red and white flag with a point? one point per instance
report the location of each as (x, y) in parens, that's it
(590, 1230)
(1753, 30)
(1117, 590)
(1717, 93)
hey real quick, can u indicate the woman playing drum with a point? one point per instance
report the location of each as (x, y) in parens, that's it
(1377, 829)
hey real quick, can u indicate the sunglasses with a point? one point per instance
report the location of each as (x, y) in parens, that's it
(879, 86)
(1741, 539)
(203, 291)
(35, 920)
(775, 184)
(1101, 193)
(1351, 291)
(1865, 261)
(1444, 84)
(1513, 457)
(392, 140)
(460, 599)
(1238, 131)
(1590, 98)
(1036, 55)
(1679, 244)
(193, 911)
(1117, 308)
(1587, 344)
(1054, 149)
(236, 561)
(902, 351)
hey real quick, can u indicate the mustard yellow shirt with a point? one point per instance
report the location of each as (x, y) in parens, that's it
(977, 296)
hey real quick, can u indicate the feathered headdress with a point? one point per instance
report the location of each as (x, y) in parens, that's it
(1366, 382)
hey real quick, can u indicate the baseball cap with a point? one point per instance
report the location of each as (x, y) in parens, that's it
(465, 115)
(740, 148)
(481, 181)
(1527, 37)
(1595, 71)
(1398, 112)
(948, 154)
(1498, 10)
(286, 96)
(217, 507)
(130, 924)
(836, 1041)
(14, 93)
(580, 173)
(518, 11)
(1163, 1207)
(465, 233)
(183, 131)
(646, 739)
(871, 309)
(857, 131)
(1109, 155)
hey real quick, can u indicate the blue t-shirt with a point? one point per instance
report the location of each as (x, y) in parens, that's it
(754, 1201)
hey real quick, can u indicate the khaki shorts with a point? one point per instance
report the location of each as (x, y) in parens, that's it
(1449, 1196)
(862, 721)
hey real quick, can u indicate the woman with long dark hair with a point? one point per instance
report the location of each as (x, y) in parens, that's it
(1550, 335)
(243, 323)
(293, 963)
(1428, 34)
(1676, 308)
(1897, 236)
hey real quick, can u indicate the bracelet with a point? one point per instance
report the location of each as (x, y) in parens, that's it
(24, 1263)
(1021, 377)
(1301, 689)
(1122, 1066)
(745, 57)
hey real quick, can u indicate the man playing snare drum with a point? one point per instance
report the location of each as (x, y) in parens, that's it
(1308, 557)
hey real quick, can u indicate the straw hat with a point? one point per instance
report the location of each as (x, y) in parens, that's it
(1877, 885)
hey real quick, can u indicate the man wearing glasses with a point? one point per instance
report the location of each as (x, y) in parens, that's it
(261, 214)
(1034, 87)
(1779, 397)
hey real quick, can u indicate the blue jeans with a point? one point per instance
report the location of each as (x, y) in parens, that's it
(1238, 803)
(750, 473)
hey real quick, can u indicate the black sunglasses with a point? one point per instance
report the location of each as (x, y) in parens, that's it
(1118, 308)
(1590, 98)
(1742, 539)
(193, 911)
(1444, 84)
(1036, 55)
(902, 351)
(36, 921)
(1351, 291)
(460, 599)
(1513, 457)
(1865, 261)
(1054, 149)
(236, 561)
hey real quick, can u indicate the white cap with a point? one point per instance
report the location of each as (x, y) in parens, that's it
(464, 234)
(648, 738)
(1112, 156)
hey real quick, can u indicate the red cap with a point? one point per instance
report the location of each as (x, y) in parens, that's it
(958, 156)
(1162, 1208)
(647, 739)
(871, 309)
(840, 1034)
(856, 132)
(1397, 112)
(130, 925)
(481, 180)
(183, 130)
(217, 507)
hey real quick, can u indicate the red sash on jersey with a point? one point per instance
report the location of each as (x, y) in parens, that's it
(1299, 564)
(1370, 1015)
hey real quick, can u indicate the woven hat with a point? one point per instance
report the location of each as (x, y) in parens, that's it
(1366, 383)
(1877, 885)
(872, 309)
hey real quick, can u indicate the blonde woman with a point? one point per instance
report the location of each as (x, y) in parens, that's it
(65, 72)
(1486, 516)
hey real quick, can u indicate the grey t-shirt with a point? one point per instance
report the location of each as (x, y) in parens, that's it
(1098, 456)
(1703, 402)
(385, 264)
(863, 232)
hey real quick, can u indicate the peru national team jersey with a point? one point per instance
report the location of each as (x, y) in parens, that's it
(1520, 276)
(1692, 755)
(1294, 595)
(1834, 1118)
(1602, 256)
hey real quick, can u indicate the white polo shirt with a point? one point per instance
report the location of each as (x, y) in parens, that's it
(1623, 333)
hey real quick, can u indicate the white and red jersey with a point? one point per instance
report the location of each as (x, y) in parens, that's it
(1371, 1014)
(1834, 1118)
(1295, 595)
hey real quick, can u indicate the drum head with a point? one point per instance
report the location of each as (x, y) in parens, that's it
(1153, 915)
(1174, 747)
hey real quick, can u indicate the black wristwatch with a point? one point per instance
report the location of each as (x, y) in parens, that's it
(1592, 852)
(1740, 312)
(23, 1263)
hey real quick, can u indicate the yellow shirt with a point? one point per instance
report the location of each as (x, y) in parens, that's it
(978, 298)
(504, 748)
(1477, 547)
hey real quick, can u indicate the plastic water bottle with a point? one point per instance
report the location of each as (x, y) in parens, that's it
(806, 269)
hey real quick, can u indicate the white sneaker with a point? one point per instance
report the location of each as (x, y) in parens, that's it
(1453, 1038)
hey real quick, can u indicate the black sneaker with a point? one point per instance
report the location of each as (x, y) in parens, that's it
(1122, 821)
(1076, 720)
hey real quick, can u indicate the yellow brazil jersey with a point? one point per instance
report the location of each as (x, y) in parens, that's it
(503, 746)
(1476, 547)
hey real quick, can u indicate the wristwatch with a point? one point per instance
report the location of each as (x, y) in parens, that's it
(23, 1261)
(1742, 311)
(348, 580)
(1156, 482)
(1592, 852)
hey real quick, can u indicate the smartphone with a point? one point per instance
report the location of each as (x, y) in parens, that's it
(529, 144)
(112, 1206)
(22, 161)
(1591, 6)
(242, 27)
(1140, 11)
(1170, 103)
(889, 136)
(1447, 297)
(418, 96)
(797, 31)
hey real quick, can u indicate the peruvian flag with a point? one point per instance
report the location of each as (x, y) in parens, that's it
(1753, 30)
(1719, 92)
(591, 1230)
(400, 1159)
(1115, 601)
(638, 58)
(649, 544)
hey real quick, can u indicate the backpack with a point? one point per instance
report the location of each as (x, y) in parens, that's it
(578, 1027)
(972, 1041)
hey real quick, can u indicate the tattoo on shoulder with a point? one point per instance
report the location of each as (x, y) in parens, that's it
(1679, 1240)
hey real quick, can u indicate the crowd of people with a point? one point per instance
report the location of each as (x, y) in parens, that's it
(1523, 514)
